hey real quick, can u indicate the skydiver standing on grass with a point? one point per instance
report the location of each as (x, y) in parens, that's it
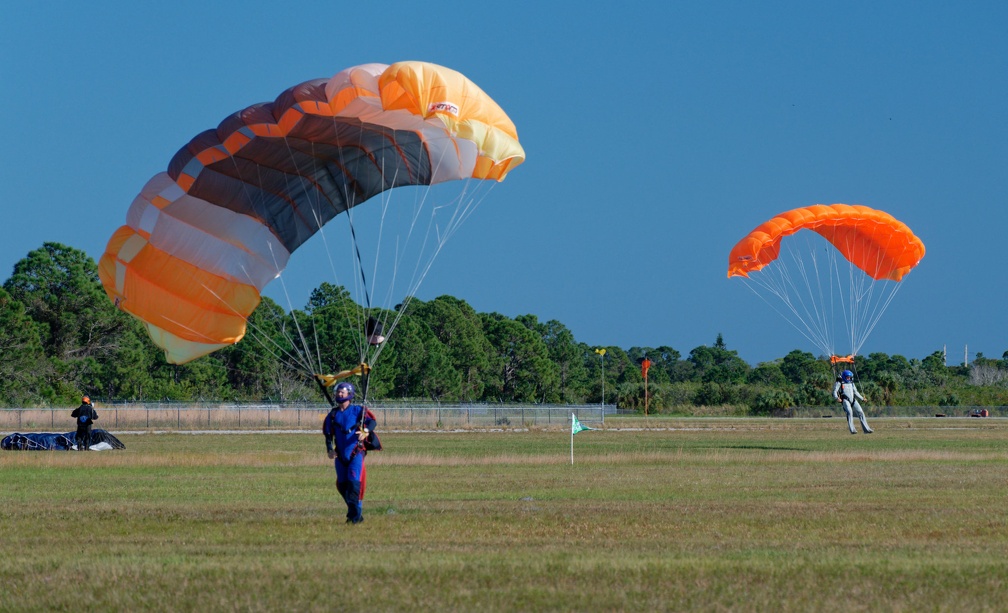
(846, 392)
(84, 415)
(346, 427)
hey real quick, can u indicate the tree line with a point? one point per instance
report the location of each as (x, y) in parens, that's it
(61, 337)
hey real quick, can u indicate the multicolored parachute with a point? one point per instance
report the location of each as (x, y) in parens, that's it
(876, 246)
(203, 239)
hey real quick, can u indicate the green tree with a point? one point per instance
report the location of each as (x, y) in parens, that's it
(563, 351)
(329, 332)
(801, 366)
(768, 374)
(666, 363)
(526, 371)
(718, 364)
(888, 382)
(712, 393)
(566, 354)
(421, 365)
(81, 331)
(772, 402)
(266, 364)
(460, 331)
(22, 360)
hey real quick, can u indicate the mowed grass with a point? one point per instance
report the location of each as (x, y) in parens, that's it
(675, 514)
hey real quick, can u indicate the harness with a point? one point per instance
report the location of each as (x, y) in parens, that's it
(843, 391)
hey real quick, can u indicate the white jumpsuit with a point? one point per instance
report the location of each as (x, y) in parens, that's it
(848, 393)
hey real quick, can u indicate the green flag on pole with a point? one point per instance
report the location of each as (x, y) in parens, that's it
(575, 428)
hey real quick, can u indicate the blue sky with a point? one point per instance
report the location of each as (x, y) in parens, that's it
(657, 135)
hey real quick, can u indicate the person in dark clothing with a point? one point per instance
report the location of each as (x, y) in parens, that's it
(346, 427)
(84, 415)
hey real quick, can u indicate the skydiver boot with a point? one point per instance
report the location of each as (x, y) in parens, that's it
(864, 423)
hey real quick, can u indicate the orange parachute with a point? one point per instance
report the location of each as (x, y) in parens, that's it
(202, 239)
(808, 287)
(874, 241)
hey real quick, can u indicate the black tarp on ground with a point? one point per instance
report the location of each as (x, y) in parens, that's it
(45, 441)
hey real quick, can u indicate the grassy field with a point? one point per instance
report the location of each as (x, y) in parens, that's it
(677, 514)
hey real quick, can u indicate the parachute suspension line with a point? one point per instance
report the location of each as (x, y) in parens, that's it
(260, 337)
(803, 329)
(362, 292)
(781, 282)
(365, 345)
(298, 359)
(817, 295)
(820, 320)
(869, 298)
(308, 187)
(464, 205)
(360, 266)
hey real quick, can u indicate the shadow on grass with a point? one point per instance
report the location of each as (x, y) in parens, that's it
(764, 447)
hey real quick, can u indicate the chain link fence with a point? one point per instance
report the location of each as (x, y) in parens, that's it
(391, 416)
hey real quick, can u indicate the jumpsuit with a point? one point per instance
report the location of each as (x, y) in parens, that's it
(849, 394)
(340, 429)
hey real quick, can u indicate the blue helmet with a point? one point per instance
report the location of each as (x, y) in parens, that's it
(348, 387)
(847, 376)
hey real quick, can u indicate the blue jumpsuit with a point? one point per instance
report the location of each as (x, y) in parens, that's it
(849, 394)
(340, 429)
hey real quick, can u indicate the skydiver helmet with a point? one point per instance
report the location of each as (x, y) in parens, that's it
(847, 376)
(348, 387)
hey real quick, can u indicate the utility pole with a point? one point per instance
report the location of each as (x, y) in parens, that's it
(601, 352)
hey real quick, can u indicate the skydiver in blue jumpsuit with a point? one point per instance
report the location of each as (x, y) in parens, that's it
(344, 438)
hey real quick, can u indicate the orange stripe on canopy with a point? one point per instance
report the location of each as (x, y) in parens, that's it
(201, 311)
(874, 241)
